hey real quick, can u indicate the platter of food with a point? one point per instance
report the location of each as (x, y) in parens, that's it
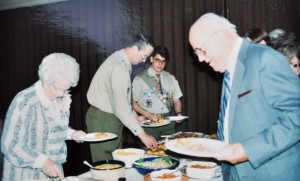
(160, 150)
(199, 147)
(99, 136)
(156, 123)
(187, 135)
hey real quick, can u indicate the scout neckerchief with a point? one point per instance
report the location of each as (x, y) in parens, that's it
(157, 89)
(159, 83)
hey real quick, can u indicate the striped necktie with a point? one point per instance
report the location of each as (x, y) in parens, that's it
(223, 105)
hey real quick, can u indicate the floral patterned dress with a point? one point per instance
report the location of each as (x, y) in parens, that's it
(35, 129)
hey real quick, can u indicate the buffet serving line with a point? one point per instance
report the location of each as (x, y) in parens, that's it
(131, 174)
(180, 157)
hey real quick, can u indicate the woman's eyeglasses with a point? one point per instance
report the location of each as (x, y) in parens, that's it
(61, 90)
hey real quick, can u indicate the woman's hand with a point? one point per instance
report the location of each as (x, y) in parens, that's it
(77, 134)
(51, 169)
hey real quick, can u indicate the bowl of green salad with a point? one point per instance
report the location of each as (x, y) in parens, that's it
(150, 164)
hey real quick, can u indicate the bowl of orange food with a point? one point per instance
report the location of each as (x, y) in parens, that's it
(108, 170)
(203, 170)
(165, 175)
(128, 155)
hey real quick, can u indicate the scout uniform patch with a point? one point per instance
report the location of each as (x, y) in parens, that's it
(149, 103)
(163, 95)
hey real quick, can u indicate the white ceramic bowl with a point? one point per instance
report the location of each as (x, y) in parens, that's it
(154, 175)
(109, 174)
(202, 172)
(128, 155)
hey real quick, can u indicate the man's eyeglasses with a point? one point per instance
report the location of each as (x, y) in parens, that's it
(157, 60)
(295, 65)
(199, 51)
(142, 54)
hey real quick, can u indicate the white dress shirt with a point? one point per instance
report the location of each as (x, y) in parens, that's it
(231, 68)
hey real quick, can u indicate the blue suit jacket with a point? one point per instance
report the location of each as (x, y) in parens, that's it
(264, 115)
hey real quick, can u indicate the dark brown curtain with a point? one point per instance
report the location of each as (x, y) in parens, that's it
(267, 14)
(90, 30)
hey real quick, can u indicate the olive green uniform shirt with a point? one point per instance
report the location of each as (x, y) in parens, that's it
(110, 90)
(150, 98)
(147, 92)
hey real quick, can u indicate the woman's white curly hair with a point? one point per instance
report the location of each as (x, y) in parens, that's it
(59, 65)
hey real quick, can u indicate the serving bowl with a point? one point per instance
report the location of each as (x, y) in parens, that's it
(150, 164)
(165, 175)
(104, 170)
(202, 169)
(128, 155)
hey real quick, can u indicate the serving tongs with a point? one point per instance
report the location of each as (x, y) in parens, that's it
(201, 135)
(171, 135)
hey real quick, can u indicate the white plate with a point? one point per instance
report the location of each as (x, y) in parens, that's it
(199, 147)
(92, 137)
(177, 118)
(166, 122)
(72, 178)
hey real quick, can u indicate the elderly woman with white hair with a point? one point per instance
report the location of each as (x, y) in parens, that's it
(36, 124)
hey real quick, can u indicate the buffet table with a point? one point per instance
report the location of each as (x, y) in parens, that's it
(131, 174)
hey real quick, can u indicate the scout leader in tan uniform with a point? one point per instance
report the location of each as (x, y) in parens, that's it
(110, 98)
(156, 91)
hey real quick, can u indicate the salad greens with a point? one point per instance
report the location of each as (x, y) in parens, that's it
(156, 163)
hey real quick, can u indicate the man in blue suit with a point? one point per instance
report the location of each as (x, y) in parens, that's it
(262, 117)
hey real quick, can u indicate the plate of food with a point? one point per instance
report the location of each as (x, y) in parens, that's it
(156, 123)
(198, 147)
(99, 136)
(177, 118)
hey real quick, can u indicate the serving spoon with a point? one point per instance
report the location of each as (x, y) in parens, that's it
(87, 163)
(179, 169)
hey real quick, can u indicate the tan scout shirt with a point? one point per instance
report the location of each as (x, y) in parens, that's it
(110, 90)
(147, 97)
